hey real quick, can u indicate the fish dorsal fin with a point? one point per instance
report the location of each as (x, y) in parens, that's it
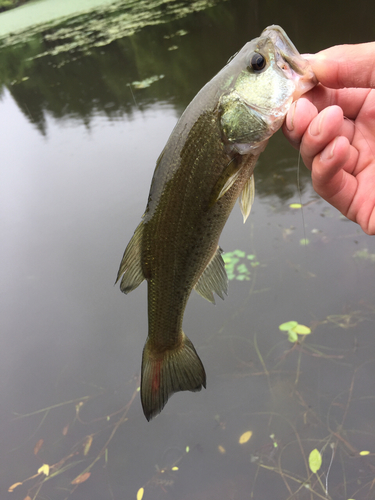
(131, 267)
(213, 279)
(246, 198)
(225, 181)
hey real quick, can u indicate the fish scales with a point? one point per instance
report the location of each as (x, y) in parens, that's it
(183, 232)
(206, 165)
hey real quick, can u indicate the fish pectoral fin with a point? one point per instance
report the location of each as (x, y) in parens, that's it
(131, 266)
(213, 279)
(225, 181)
(167, 372)
(246, 198)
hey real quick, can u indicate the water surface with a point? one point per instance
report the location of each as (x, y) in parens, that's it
(84, 114)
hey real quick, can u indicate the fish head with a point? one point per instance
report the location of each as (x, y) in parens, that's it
(265, 77)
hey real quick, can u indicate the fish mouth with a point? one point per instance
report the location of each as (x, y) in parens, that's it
(299, 69)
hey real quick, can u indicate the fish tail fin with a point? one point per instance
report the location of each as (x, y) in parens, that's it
(170, 371)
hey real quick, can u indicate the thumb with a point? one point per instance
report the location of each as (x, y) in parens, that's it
(345, 66)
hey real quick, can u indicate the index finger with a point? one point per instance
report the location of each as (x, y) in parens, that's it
(350, 100)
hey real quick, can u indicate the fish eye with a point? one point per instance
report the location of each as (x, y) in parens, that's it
(257, 62)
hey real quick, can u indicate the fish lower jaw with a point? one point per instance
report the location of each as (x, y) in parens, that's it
(245, 149)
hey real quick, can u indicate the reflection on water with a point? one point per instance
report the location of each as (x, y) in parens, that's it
(79, 144)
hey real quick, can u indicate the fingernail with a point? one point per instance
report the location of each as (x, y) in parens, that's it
(316, 125)
(328, 152)
(290, 117)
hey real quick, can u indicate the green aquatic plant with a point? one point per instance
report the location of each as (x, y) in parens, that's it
(236, 265)
(102, 25)
(364, 255)
(293, 329)
(146, 82)
(9, 4)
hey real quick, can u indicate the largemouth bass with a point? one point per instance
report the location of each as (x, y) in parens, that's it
(206, 165)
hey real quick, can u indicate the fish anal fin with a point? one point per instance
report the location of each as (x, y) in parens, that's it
(167, 372)
(246, 198)
(213, 279)
(131, 266)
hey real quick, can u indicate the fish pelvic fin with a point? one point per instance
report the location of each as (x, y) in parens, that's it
(167, 372)
(246, 198)
(213, 279)
(131, 266)
(226, 180)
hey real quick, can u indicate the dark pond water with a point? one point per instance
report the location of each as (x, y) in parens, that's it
(79, 140)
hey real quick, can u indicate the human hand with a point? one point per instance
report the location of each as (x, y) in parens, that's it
(340, 152)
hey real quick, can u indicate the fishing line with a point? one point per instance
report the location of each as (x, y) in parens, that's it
(357, 129)
(300, 197)
(130, 87)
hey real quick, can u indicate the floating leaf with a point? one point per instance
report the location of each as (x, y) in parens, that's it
(13, 487)
(38, 446)
(44, 469)
(174, 468)
(240, 271)
(140, 493)
(81, 478)
(242, 277)
(364, 453)
(27, 498)
(187, 449)
(221, 449)
(365, 255)
(65, 430)
(294, 329)
(302, 329)
(147, 82)
(244, 438)
(87, 445)
(295, 205)
(292, 336)
(289, 325)
(304, 241)
(315, 460)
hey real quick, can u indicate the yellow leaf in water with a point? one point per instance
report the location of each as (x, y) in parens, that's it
(87, 445)
(81, 478)
(27, 498)
(13, 487)
(44, 469)
(315, 460)
(364, 453)
(221, 449)
(38, 446)
(174, 468)
(295, 205)
(302, 330)
(245, 437)
(140, 493)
